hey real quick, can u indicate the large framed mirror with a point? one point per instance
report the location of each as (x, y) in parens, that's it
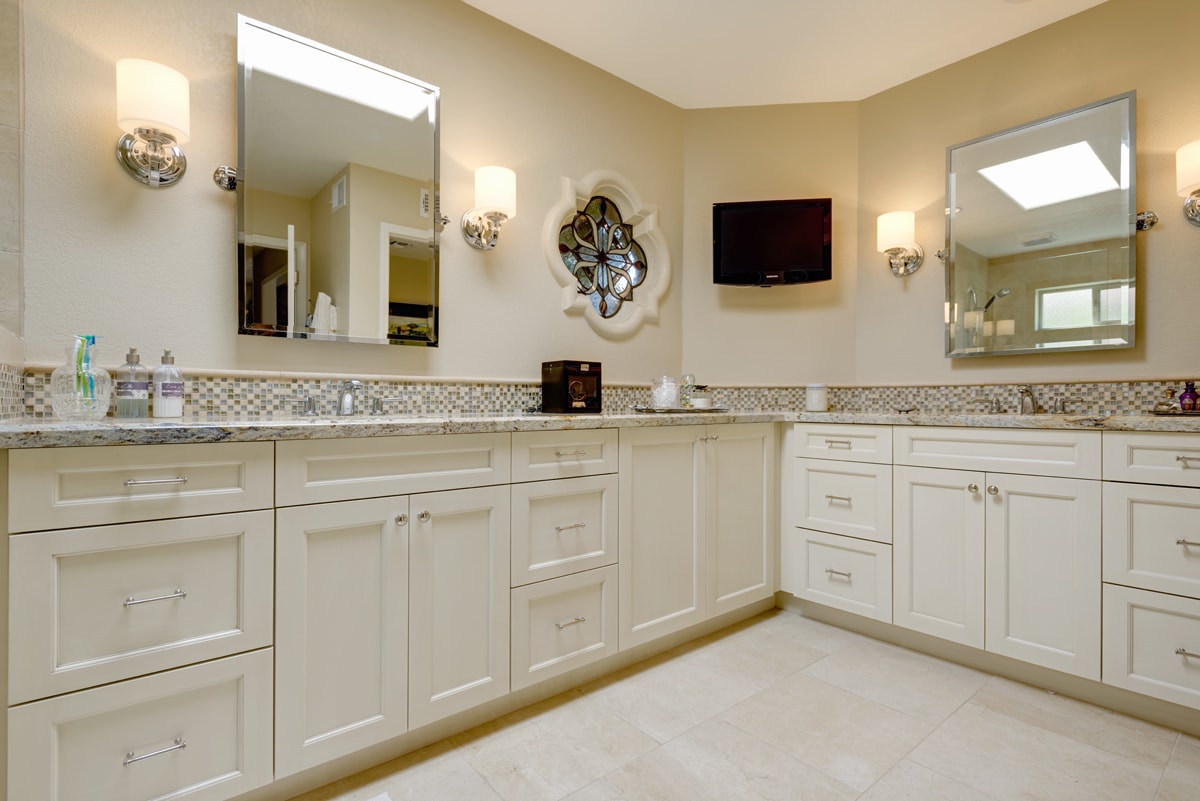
(337, 194)
(1040, 224)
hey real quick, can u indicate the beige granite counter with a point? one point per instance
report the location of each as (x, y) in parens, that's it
(41, 433)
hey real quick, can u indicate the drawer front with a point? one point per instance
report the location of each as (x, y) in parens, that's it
(842, 572)
(854, 499)
(563, 623)
(1152, 537)
(1152, 644)
(561, 527)
(317, 471)
(95, 605)
(1070, 454)
(1152, 458)
(201, 733)
(853, 443)
(51, 488)
(538, 455)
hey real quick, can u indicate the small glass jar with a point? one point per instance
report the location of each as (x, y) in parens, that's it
(664, 393)
(1188, 398)
(702, 397)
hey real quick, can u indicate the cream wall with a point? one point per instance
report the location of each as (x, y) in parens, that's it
(10, 182)
(1147, 45)
(156, 269)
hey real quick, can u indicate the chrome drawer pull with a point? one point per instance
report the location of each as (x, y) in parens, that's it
(145, 482)
(843, 573)
(842, 498)
(177, 594)
(571, 622)
(570, 453)
(844, 443)
(1187, 543)
(179, 744)
(1186, 652)
(1185, 459)
(561, 529)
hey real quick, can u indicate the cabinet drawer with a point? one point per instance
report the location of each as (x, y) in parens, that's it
(561, 527)
(851, 498)
(317, 471)
(64, 487)
(89, 606)
(563, 623)
(1070, 454)
(538, 455)
(1152, 644)
(201, 733)
(842, 572)
(853, 443)
(1152, 458)
(1152, 537)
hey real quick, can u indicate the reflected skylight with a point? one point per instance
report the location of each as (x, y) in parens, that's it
(1053, 176)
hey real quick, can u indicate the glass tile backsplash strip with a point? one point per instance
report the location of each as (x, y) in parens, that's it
(207, 397)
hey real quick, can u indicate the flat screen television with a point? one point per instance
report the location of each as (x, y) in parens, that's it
(769, 242)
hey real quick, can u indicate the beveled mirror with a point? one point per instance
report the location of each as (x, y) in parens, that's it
(1040, 223)
(337, 184)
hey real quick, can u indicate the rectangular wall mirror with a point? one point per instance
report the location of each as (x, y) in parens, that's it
(337, 194)
(1040, 226)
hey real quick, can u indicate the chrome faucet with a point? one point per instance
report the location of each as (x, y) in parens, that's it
(1026, 403)
(347, 400)
(992, 402)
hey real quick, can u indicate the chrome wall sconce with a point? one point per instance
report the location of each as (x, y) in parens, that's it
(153, 111)
(1187, 180)
(895, 236)
(495, 203)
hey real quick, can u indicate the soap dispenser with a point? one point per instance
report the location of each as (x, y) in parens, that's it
(168, 388)
(133, 387)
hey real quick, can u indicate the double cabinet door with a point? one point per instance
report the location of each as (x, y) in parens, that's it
(391, 613)
(1005, 562)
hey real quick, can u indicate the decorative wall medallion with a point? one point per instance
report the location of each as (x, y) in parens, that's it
(605, 250)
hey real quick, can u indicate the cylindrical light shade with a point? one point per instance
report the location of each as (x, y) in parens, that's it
(895, 229)
(496, 190)
(150, 95)
(1187, 169)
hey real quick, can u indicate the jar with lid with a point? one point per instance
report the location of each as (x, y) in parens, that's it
(664, 393)
(1188, 398)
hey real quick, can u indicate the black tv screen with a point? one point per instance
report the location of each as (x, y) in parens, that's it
(768, 242)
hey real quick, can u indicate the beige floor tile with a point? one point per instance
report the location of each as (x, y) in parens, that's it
(909, 781)
(1089, 724)
(1016, 761)
(851, 739)
(436, 773)
(760, 654)
(552, 749)
(1181, 779)
(921, 686)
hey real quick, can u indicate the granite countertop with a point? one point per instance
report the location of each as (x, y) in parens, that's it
(46, 433)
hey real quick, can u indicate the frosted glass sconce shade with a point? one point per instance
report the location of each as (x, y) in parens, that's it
(1187, 179)
(153, 111)
(495, 203)
(895, 235)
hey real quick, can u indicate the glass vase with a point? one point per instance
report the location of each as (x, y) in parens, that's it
(79, 390)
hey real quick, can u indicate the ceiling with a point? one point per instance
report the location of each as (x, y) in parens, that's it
(716, 53)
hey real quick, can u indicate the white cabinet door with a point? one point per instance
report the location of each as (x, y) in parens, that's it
(1043, 571)
(938, 551)
(740, 512)
(458, 601)
(340, 629)
(660, 532)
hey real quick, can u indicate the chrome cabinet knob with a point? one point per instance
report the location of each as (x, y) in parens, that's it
(424, 517)
(993, 489)
(972, 488)
(401, 520)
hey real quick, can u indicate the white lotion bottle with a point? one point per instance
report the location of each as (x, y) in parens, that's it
(168, 388)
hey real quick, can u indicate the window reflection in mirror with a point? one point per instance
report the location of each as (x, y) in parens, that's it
(1040, 230)
(337, 188)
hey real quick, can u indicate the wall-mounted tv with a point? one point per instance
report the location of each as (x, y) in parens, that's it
(769, 242)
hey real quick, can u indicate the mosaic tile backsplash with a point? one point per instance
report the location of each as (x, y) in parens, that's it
(26, 394)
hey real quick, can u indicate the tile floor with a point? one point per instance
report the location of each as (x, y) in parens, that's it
(785, 708)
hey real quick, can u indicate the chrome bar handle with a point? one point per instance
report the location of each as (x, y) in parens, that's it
(845, 443)
(570, 453)
(145, 482)
(1188, 543)
(1186, 652)
(130, 758)
(571, 622)
(568, 527)
(843, 498)
(843, 573)
(1185, 459)
(130, 601)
